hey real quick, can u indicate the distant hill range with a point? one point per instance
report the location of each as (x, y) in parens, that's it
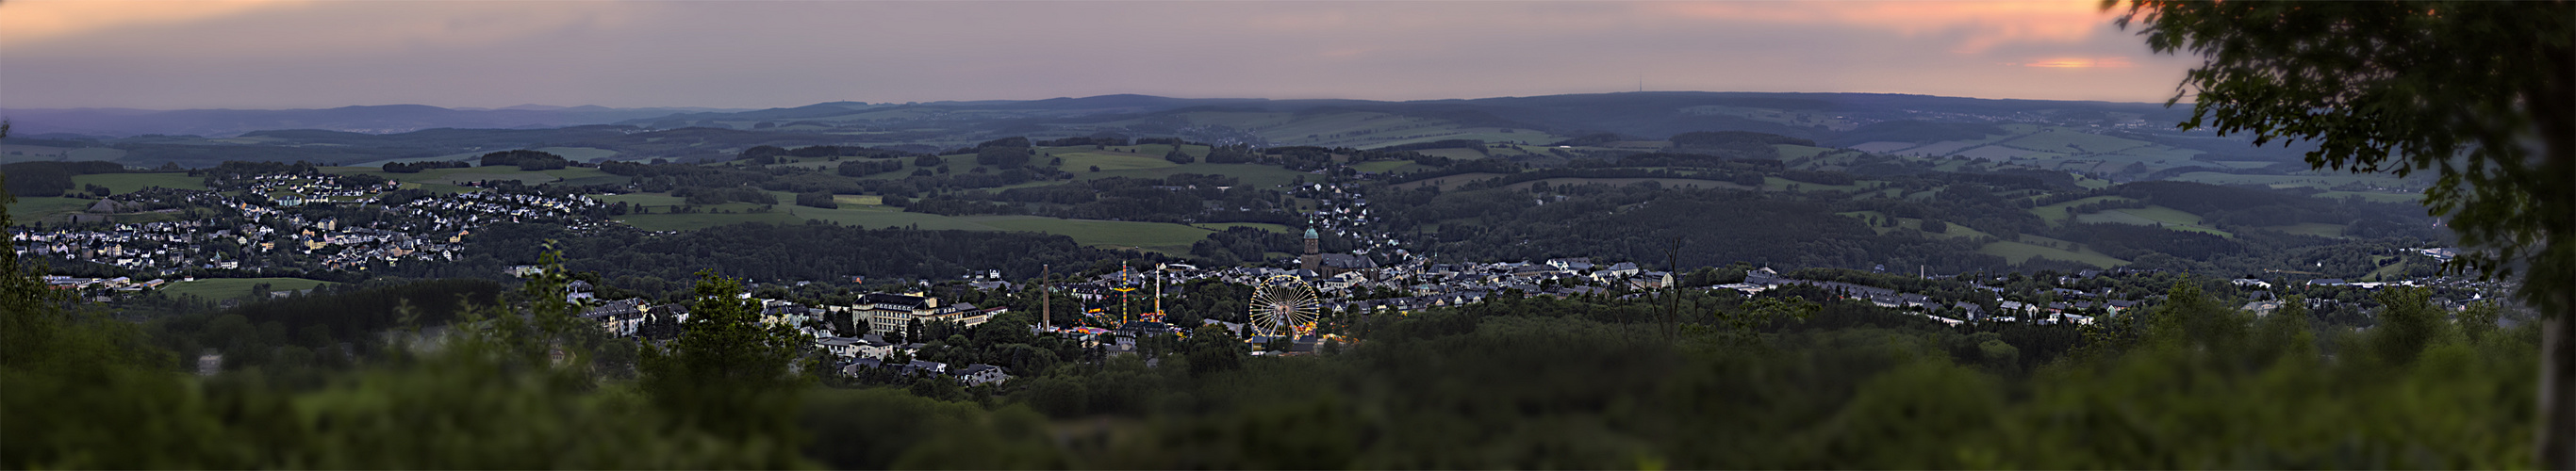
(122, 122)
(2107, 138)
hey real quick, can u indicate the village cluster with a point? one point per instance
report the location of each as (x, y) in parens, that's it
(289, 225)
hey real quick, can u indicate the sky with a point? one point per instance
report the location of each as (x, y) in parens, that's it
(280, 54)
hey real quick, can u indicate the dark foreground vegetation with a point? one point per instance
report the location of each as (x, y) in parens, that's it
(1790, 379)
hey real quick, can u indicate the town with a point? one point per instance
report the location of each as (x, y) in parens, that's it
(274, 219)
(298, 222)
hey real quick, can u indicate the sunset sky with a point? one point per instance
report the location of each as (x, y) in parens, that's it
(756, 54)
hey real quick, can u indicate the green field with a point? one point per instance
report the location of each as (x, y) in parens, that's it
(1955, 231)
(1220, 226)
(2392, 271)
(123, 183)
(32, 209)
(235, 288)
(1792, 151)
(2158, 216)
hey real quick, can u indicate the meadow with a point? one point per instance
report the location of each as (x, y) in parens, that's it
(2158, 216)
(1954, 231)
(2018, 252)
(33, 209)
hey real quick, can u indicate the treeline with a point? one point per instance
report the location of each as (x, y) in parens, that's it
(699, 195)
(526, 159)
(49, 179)
(1236, 245)
(417, 167)
(861, 168)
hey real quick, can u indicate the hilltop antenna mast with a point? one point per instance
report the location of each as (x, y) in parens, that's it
(1046, 297)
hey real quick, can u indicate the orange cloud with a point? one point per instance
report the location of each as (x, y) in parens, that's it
(284, 28)
(1984, 24)
(2079, 63)
(23, 21)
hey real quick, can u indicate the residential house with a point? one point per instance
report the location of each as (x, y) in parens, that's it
(843, 347)
(1571, 264)
(981, 374)
(620, 318)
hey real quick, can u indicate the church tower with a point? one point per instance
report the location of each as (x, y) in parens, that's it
(1312, 261)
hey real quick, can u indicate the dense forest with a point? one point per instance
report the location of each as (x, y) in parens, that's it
(51, 178)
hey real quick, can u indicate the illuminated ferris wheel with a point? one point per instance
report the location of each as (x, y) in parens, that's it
(1284, 306)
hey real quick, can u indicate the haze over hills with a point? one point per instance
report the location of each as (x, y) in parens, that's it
(953, 165)
(2104, 137)
(126, 122)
